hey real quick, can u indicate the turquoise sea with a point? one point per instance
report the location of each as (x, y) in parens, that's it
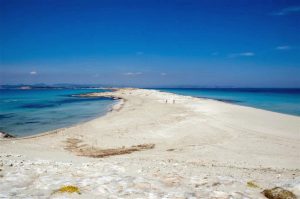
(28, 112)
(278, 100)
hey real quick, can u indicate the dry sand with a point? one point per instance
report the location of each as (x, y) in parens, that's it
(147, 148)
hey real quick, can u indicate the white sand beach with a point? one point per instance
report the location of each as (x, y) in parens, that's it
(147, 148)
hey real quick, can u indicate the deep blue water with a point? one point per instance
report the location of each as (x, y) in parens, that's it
(278, 100)
(28, 112)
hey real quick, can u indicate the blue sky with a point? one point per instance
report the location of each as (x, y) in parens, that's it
(245, 43)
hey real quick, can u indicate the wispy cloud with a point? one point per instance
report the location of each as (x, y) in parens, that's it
(286, 47)
(132, 73)
(215, 53)
(33, 73)
(243, 54)
(163, 74)
(286, 11)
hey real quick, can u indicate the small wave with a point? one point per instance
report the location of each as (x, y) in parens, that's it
(10, 100)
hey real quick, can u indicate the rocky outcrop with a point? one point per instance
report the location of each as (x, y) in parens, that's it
(279, 193)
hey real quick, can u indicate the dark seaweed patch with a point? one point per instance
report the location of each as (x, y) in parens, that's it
(229, 101)
(37, 105)
(63, 101)
(7, 115)
(32, 122)
(82, 99)
(222, 100)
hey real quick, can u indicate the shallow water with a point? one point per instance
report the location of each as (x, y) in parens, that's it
(28, 112)
(278, 100)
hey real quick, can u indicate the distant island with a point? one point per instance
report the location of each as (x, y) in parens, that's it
(53, 86)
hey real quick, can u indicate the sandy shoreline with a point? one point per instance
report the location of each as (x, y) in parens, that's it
(203, 149)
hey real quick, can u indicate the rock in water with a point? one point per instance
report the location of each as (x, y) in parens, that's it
(279, 193)
(5, 135)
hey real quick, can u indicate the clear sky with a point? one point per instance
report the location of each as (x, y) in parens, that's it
(239, 43)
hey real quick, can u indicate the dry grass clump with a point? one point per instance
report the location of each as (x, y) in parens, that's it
(279, 193)
(73, 145)
(251, 184)
(68, 189)
(170, 150)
